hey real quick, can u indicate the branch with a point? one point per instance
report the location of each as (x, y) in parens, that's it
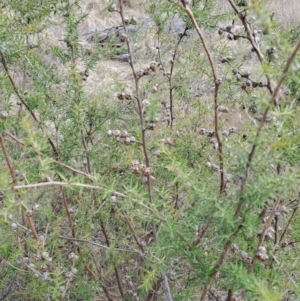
(73, 169)
(7, 159)
(228, 243)
(143, 133)
(263, 234)
(14, 138)
(217, 84)
(55, 183)
(242, 16)
(23, 101)
(288, 224)
(96, 244)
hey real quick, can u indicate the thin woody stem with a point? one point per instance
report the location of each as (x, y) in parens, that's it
(254, 45)
(263, 234)
(228, 243)
(56, 183)
(4, 64)
(13, 176)
(115, 267)
(144, 140)
(133, 232)
(288, 224)
(7, 159)
(217, 83)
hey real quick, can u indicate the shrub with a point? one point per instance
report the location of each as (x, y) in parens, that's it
(163, 170)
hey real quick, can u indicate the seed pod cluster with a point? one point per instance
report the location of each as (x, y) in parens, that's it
(140, 169)
(249, 82)
(126, 96)
(33, 264)
(29, 212)
(230, 36)
(84, 75)
(229, 132)
(168, 141)
(214, 142)
(269, 233)
(218, 81)
(69, 275)
(226, 59)
(123, 37)
(261, 254)
(73, 257)
(229, 29)
(147, 71)
(121, 136)
(244, 256)
(131, 20)
(157, 154)
(244, 74)
(232, 130)
(151, 126)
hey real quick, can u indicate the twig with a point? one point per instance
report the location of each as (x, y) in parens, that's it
(56, 183)
(13, 176)
(229, 296)
(167, 288)
(24, 102)
(170, 77)
(105, 289)
(288, 224)
(153, 290)
(66, 206)
(184, 240)
(97, 245)
(285, 271)
(14, 138)
(133, 232)
(203, 232)
(143, 131)
(115, 267)
(32, 227)
(248, 30)
(254, 45)
(152, 210)
(7, 159)
(73, 169)
(276, 235)
(19, 225)
(87, 157)
(263, 234)
(217, 84)
(228, 243)
(219, 263)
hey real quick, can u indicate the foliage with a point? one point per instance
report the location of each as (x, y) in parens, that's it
(173, 175)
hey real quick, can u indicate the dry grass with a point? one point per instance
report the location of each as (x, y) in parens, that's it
(287, 12)
(104, 75)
